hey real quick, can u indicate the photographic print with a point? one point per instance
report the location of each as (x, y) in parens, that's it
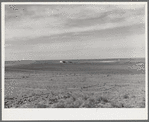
(75, 55)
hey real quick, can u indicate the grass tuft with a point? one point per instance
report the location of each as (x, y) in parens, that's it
(126, 96)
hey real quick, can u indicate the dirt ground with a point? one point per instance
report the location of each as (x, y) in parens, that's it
(86, 84)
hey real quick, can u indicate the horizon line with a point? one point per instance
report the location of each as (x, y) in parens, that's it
(77, 59)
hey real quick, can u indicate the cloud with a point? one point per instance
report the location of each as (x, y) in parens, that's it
(34, 26)
(130, 46)
(63, 19)
(107, 34)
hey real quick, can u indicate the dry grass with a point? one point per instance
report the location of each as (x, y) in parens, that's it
(67, 100)
(75, 86)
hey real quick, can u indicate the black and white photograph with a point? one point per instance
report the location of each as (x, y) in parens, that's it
(60, 56)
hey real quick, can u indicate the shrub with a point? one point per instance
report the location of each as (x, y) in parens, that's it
(117, 105)
(78, 102)
(41, 106)
(104, 99)
(60, 104)
(125, 96)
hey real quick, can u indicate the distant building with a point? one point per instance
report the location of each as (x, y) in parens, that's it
(62, 62)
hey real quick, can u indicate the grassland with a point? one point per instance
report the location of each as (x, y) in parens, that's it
(80, 84)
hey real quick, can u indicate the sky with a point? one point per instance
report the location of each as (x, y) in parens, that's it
(72, 31)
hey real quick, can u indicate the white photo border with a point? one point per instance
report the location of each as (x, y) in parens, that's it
(80, 113)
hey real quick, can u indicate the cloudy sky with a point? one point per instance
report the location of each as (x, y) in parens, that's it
(48, 32)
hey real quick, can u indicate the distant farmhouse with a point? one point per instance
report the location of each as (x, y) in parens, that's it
(63, 62)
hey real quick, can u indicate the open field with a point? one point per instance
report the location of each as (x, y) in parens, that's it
(106, 83)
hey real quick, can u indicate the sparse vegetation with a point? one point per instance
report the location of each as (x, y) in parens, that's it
(66, 100)
(74, 85)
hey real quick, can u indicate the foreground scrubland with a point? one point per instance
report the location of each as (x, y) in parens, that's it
(81, 84)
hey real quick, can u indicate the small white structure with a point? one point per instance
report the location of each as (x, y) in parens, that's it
(62, 62)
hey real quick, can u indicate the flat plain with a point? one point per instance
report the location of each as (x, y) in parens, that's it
(107, 83)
